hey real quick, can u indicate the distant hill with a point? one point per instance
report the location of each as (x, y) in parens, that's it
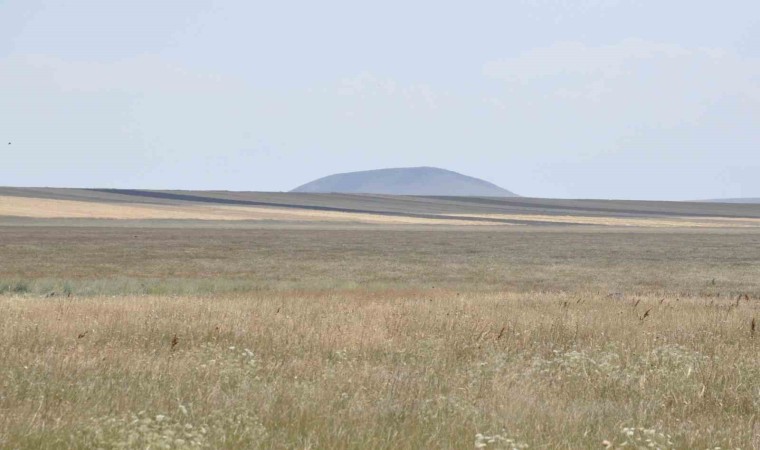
(405, 181)
(751, 201)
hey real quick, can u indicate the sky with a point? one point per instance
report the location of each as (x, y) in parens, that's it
(615, 99)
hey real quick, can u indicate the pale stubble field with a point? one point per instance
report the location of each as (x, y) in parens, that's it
(386, 337)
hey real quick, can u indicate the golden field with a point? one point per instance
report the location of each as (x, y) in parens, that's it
(40, 208)
(378, 369)
(45, 208)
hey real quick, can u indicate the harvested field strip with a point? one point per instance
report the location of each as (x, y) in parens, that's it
(47, 208)
(655, 222)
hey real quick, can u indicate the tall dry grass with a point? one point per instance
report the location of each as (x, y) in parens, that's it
(414, 368)
(384, 338)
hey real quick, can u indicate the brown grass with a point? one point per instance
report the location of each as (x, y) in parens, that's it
(378, 338)
(376, 370)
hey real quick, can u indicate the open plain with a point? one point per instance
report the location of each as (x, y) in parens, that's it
(167, 319)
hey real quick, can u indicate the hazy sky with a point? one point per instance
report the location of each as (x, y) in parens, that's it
(575, 98)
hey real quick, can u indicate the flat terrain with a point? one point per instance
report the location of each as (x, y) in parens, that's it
(355, 208)
(355, 333)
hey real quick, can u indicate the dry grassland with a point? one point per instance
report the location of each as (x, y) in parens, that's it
(409, 369)
(519, 338)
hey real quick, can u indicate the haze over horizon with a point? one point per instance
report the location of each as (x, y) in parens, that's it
(604, 99)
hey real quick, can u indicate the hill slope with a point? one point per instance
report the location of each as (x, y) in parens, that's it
(405, 181)
(749, 201)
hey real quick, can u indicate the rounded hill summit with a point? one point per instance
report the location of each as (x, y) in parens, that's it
(405, 181)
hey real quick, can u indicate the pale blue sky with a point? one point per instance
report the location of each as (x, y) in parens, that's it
(583, 99)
